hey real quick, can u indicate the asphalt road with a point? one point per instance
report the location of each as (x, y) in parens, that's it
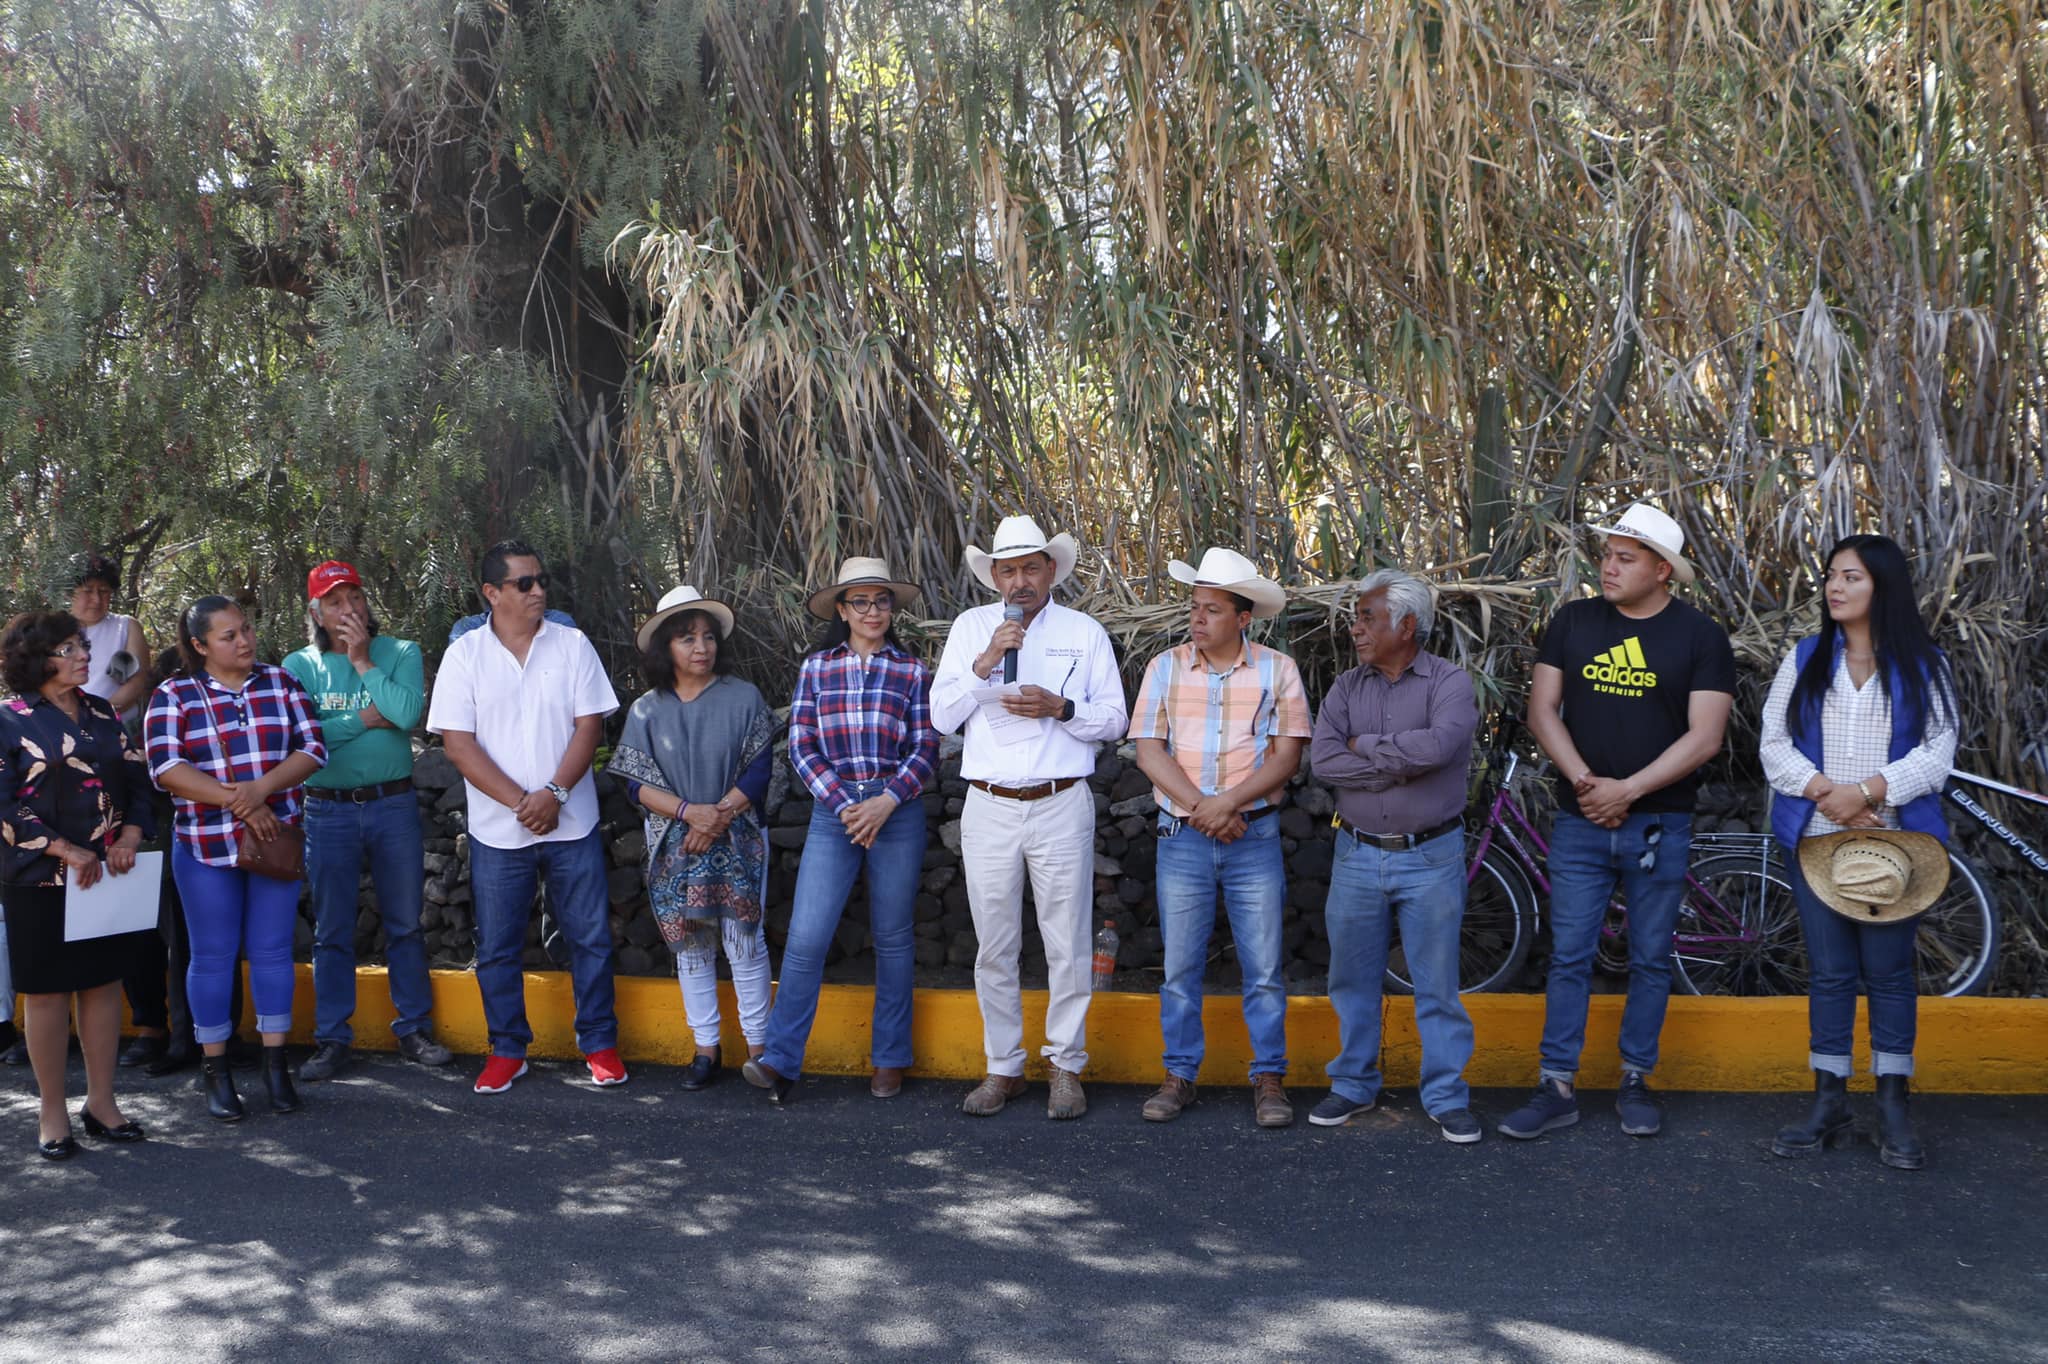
(400, 1216)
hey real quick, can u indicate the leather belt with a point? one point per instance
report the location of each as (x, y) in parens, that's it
(360, 795)
(1395, 842)
(1035, 791)
(1169, 825)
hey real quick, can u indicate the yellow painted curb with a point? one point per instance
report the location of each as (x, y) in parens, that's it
(1966, 1046)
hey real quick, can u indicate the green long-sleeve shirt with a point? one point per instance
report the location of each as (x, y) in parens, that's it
(395, 684)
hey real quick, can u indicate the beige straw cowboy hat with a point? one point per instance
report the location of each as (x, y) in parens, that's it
(1875, 876)
(1016, 537)
(686, 598)
(861, 572)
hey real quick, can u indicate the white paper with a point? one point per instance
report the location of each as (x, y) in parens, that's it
(1004, 727)
(115, 904)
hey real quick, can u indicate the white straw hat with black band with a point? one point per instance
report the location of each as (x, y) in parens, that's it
(859, 571)
(686, 598)
(1651, 526)
(1016, 537)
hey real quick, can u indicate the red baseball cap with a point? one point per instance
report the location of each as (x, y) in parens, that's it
(330, 575)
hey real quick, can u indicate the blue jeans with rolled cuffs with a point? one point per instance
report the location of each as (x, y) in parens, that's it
(1423, 890)
(340, 836)
(1253, 878)
(502, 882)
(229, 913)
(824, 879)
(1587, 862)
(1843, 955)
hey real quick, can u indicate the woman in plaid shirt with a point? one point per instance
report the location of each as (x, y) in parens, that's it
(861, 737)
(232, 740)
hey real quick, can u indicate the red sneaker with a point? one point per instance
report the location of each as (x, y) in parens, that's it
(499, 1073)
(605, 1067)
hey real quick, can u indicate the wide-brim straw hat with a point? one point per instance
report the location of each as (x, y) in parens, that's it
(1650, 525)
(1016, 537)
(1228, 571)
(686, 598)
(862, 572)
(1875, 876)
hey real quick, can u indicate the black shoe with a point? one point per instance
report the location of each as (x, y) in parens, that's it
(17, 1055)
(177, 1056)
(421, 1049)
(327, 1059)
(1641, 1114)
(8, 1036)
(218, 1078)
(127, 1131)
(64, 1148)
(141, 1051)
(277, 1078)
(1830, 1123)
(1335, 1110)
(762, 1076)
(1897, 1146)
(702, 1072)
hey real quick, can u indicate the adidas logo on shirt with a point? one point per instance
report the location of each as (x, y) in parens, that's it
(1622, 670)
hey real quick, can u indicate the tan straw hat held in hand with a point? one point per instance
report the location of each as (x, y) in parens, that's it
(1875, 876)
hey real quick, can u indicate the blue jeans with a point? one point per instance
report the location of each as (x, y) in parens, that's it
(1586, 864)
(1841, 955)
(1254, 881)
(502, 881)
(824, 878)
(340, 834)
(230, 913)
(1423, 889)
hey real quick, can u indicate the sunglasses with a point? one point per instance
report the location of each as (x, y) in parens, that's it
(862, 606)
(1651, 837)
(526, 582)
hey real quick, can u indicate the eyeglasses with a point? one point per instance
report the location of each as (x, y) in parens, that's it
(525, 583)
(862, 606)
(1651, 837)
(74, 649)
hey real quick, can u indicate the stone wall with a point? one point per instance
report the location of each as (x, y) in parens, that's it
(1124, 860)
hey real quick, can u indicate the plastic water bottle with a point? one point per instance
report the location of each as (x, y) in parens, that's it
(1105, 954)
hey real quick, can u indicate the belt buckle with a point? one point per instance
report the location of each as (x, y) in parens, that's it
(356, 796)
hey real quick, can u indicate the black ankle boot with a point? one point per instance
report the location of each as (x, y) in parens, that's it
(277, 1078)
(1896, 1144)
(1828, 1125)
(222, 1103)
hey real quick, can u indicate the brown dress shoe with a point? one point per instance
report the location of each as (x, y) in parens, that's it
(986, 1099)
(1066, 1099)
(1269, 1102)
(887, 1082)
(1173, 1096)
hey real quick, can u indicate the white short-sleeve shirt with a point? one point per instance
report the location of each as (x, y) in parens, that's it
(523, 716)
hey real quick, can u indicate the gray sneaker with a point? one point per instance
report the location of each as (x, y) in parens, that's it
(1641, 1114)
(420, 1047)
(327, 1059)
(1552, 1106)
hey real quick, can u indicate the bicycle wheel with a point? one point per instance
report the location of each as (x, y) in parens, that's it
(1498, 928)
(1738, 928)
(1957, 949)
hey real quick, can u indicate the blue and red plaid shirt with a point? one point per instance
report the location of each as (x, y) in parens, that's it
(231, 737)
(852, 721)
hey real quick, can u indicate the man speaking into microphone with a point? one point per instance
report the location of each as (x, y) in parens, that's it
(1029, 808)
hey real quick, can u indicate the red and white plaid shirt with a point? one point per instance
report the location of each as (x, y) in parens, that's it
(231, 737)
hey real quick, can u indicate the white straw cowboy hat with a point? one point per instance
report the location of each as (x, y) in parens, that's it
(1016, 537)
(1875, 876)
(686, 598)
(861, 572)
(1646, 523)
(1228, 571)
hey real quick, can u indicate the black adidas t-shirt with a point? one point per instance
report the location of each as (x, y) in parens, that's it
(1627, 686)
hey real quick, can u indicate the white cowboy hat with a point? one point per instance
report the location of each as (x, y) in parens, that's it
(861, 572)
(1018, 536)
(1229, 571)
(686, 598)
(1875, 876)
(1646, 523)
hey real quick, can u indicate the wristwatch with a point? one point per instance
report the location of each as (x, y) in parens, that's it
(559, 792)
(1067, 709)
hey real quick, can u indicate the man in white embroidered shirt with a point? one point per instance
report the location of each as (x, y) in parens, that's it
(1029, 806)
(520, 705)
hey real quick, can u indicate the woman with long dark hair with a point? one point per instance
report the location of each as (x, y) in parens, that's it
(233, 739)
(1859, 732)
(74, 804)
(695, 754)
(861, 737)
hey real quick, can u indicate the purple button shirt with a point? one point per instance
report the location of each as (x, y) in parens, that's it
(1397, 753)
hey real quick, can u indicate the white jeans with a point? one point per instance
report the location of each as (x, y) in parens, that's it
(747, 952)
(1053, 840)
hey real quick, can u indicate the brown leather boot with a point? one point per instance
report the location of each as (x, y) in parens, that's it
(1173, 1096)
(986, 1099)
(1269, 1102)
(1065, 1099)
(886, 1082)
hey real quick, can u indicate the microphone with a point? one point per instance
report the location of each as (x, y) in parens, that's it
(1011, 611)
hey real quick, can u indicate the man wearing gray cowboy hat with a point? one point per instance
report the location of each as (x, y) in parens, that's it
(1630, 698)
(1220, 723)
(1029, 806)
